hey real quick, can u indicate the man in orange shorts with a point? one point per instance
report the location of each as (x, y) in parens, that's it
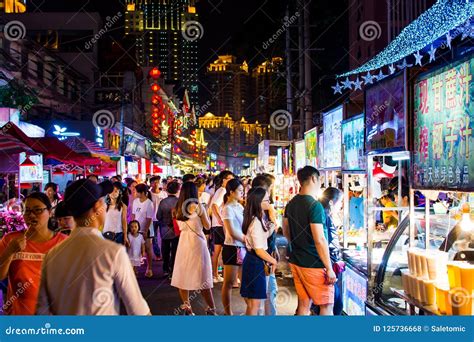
(304, 227)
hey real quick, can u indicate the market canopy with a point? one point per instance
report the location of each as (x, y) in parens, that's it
(90, 149)
(10, 145)
(13, 130)
(437, 21)
(57, 150)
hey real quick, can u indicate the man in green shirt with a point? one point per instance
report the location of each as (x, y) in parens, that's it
(304, 225)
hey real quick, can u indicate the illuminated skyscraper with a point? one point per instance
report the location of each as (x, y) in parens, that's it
(161, 40)
(229, 83)
(12, 6)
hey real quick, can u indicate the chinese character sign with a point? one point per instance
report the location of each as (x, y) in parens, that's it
(353, 144)
(332, 136)
(311, 143)
(385, 115)
(444, 117)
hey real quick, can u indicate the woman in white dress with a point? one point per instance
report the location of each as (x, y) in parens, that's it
(192, 267)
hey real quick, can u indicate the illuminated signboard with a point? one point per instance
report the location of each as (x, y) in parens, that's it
(354, 293)
(353, 144)
(332, 138)
(300, 155)
(385, 115)
(34, 173)
(444, 118)
(311, 146)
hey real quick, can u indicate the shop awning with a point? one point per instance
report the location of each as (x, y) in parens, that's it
(90, 149)
(10, 145)
(11, 129)
(436, 22)
(59, 151)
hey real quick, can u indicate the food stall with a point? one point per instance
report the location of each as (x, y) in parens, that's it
(387, 188)
(354, 232)
(332, 136)
(440, 275)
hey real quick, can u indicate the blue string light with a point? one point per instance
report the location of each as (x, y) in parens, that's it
(437, 21)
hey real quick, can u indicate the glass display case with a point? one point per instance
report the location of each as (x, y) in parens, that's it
(387, 224)
(442, 222)
(354, 233)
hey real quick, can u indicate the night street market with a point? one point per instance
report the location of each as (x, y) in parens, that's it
(174, 158)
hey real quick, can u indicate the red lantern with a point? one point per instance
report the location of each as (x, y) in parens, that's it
(178, 131)
(154, 115)
(155, 87)
(155, 73)
(156, 99)
(178, 123)
(163, 116)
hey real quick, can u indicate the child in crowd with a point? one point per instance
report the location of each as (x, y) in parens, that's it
(137, 244)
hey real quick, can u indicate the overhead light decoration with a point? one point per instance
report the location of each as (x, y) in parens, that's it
(446, 18)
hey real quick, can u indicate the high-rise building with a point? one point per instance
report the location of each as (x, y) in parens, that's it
(12, 6)
(228, 83)
(268, 89)
(167, 34)
(374, 24)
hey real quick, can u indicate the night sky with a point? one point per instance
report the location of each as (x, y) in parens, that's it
(241, 28)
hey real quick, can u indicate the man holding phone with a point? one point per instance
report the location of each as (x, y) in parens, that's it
(304, 225)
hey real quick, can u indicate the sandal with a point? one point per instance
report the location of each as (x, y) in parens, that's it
(149, 273)
(211, 311)
(187, 310)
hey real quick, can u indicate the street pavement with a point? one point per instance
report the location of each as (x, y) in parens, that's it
(163, 299)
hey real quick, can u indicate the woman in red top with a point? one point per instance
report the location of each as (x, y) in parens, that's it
(22, 253)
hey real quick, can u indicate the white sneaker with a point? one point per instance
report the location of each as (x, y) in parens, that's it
(218, 279)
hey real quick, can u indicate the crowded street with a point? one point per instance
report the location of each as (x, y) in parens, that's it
(251, 158)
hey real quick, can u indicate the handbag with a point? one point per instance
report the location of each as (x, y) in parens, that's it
(177, 231)
(338, 267)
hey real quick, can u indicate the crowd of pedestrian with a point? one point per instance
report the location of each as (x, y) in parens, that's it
(81, 253)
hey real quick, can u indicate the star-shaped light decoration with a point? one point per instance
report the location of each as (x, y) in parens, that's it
(337, 88)
(432, 53)
(392, 69)
(404, 64)
(368, 78)
(380, 75)
(357, 84)
(448, 40)
(418, 58)
(347, 83)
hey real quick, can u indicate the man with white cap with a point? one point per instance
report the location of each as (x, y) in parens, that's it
(89, 275)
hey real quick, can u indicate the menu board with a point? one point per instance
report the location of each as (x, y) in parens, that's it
(311, 144)
(354, 293)
(132, 168)
(332, 138)
(300, 155)
(353, 144)
(385, 115)
(31, 174)
(443, 128)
